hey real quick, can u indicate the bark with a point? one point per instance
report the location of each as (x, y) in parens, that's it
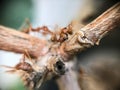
(15, 41)
(11, 40)
(92, 33)
(103, 24)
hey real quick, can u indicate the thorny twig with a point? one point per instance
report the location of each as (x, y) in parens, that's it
(64, 44)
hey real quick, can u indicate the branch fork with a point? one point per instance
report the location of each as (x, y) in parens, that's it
(91, 34)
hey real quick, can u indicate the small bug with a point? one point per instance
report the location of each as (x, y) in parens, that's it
(59, 36)
(31, 74)
(44, 29)
(63, 34)
(22, 65)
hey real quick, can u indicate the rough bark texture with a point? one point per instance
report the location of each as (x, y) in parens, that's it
(15, 41)
(11, 40)
(92, 33)
(103, 24)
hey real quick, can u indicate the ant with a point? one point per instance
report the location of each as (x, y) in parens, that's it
(44, 29)
(65, 32)
(60, 36)
(31, 74)
(22, 65)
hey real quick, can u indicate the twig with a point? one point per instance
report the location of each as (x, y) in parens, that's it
(11, 40)
(92, 33)
(15, 41)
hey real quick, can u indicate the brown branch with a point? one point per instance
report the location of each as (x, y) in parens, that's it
(104, 23)
(92, 33)
(12, 40)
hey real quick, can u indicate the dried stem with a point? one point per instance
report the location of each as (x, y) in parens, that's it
(103, 24)
(15, 41)
(92, 33)
(11, 40)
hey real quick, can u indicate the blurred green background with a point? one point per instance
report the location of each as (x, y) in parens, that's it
(14, 12)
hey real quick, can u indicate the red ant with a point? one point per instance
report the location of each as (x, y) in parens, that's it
(30, 73)
(22, 65)
(55, 36)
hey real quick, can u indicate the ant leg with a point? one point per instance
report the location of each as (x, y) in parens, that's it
(23, 58)
(28, 56)
(43, 28)
(11, 69)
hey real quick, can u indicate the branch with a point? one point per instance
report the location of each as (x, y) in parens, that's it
(12, 40)
(92, 33)
(106, 22)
